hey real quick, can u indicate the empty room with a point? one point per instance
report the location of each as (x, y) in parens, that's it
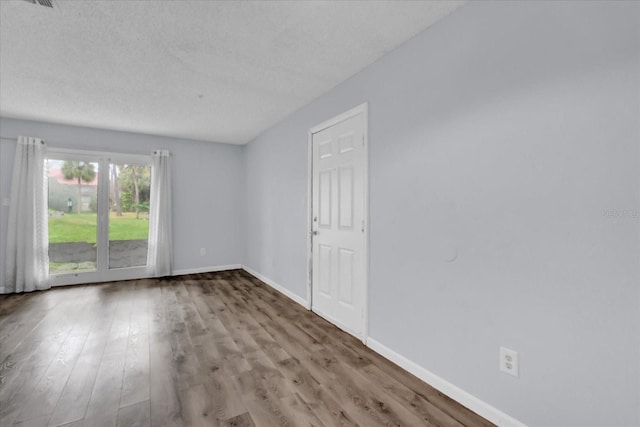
(319, 213)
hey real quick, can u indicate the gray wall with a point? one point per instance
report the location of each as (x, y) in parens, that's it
(207, 186)
(508, 133)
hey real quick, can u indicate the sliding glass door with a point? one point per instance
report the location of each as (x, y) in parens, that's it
(130, 186)
(98, 216)
(73, 215)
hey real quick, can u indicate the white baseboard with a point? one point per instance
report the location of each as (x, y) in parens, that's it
(286, 292)
(465, 399)
(206, 269)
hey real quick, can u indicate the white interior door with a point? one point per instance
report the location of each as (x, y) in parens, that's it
(339, 245)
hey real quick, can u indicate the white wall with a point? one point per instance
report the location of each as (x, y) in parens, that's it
(508, 134)
(207, 183)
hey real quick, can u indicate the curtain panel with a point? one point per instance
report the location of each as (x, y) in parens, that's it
(27, 255)
(160, 254)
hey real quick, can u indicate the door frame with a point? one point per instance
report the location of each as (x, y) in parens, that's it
(359, 109)
(102, 273)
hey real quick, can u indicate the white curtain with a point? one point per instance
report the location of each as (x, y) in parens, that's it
(160, 255)
(27, 256)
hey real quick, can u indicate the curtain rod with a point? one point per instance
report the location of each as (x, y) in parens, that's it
(42, 141)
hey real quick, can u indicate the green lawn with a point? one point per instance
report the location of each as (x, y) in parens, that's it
(82, 227)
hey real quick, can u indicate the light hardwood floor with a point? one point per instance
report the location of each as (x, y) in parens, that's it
(217, 349)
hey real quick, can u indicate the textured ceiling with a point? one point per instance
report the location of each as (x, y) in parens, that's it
(205, 70)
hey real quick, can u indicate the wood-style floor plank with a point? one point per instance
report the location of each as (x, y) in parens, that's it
(242, 420)
(135, 415)
(135, 382)
(216, 349)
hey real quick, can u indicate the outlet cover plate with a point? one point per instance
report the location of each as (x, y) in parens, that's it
(509, 361)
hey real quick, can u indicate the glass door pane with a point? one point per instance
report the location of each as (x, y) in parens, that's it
(73, 215)
(129, 191)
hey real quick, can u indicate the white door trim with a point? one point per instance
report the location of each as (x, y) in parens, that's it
(364, 109)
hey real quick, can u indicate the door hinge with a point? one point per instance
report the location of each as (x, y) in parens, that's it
(363, 225)
(363, 140)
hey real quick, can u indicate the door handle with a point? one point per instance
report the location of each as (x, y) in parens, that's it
(314, 232)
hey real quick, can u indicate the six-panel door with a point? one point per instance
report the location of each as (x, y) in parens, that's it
(338, 214)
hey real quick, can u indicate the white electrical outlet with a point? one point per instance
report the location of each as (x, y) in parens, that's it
(509, 361)
(203, 251)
